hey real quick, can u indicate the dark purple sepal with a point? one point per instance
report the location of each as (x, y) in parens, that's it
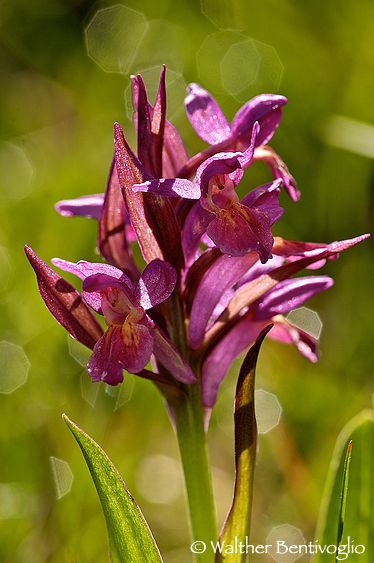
(65, 303)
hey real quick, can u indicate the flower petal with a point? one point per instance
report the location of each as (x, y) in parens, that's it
(169, 357)
(239, 230)
(65, 303)
(220, 276)
(266, 109)
(265, 199)
(83, 269)
(194, 227)
(205, 115)
(172, 187)
(218, 360)
(156, 284)
(287, 333)
(89, 206)
(290, 294)
(278, 169)
(112, 240)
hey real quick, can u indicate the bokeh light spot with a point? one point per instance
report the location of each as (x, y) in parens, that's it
(158, 479)
(89, 389)
(288, 534)
(226, 14)
(175, 87)
(62, 475)
(77, 351)
(155, 52)
(240, 66)
(307, 320)
(268, 411)
(16, 173)
(113, 36)
(15, 367)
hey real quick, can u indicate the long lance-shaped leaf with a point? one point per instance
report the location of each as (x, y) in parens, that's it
(65, 303)
(237, 524)
(346, 519)
(255, 289)
(130, 538)
(112, 226)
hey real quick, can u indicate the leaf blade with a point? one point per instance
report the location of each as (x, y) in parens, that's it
(130, 538)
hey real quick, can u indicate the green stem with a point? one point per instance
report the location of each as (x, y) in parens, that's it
(191, 436)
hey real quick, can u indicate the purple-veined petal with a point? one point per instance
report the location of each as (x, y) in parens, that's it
(205, 115)
(83, 269)
(194, 227)
(169, 357)
(130, 172)
(65, 303)
(156, 284)
(158, 119)
(265, 199)
(220, 357)
(174, 155)
(112, 236)
(290, 294)
(122, 347)
(224, 163)
(248, 293)
(284, 331)
(239, 230)
(170, 187)
(278, 169)
(266, 109)
(222, 274)
(89, 206)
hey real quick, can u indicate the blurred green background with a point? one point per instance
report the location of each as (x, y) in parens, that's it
(58, 106)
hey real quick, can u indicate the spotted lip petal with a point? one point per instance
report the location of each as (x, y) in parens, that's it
(156, 284)
(65, 303)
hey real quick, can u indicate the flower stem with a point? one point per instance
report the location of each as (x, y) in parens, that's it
(191, 437)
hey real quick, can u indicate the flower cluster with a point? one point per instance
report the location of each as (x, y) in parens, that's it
(214, 274)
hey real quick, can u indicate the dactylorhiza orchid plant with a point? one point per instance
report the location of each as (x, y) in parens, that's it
(214, 280)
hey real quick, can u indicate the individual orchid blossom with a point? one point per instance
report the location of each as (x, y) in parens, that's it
(234, 227)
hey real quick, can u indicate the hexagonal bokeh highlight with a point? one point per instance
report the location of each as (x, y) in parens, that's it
(113, 36)
(307, 320)
(281, 538)
(122, 393)
(16, 173)
(62, 476)
(158, 479)
(268, 411)
(240, 66)
(89, 389)
(175, 88)
(15, 367)
(225, 14)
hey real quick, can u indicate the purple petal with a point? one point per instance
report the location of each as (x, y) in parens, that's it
(65, 303)
(174, 155)
(279, 170)
(287, 333)
(219, 359)
(205, 115)
(170, 358)
(265, 199)
(266, 109)
(172, 187)
(290, 294)
(239, 230)
(89, 206)
(122, 347)
(83, 269)
(112, 240)
(156, 284)
(224, 163)
(221, 275)
(194, 227)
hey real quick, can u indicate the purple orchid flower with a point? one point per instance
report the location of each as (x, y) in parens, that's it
(235, 227)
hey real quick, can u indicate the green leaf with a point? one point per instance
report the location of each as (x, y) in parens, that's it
(130, 538)
(347, 510)
(237, 524)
